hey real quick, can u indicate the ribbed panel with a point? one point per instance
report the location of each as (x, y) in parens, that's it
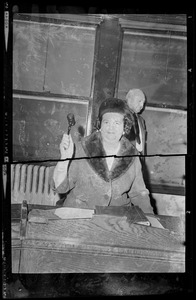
(12, 176)
(29, 179)
(23, 178)
(46, 186)
(41, 180)
(31, 183)
(16, 176)
(35, 179)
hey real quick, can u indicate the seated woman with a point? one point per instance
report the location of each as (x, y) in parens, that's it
(103, 168)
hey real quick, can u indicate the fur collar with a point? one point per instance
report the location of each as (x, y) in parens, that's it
(93, 148)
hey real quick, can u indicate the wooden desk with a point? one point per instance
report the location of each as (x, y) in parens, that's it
(101, 244)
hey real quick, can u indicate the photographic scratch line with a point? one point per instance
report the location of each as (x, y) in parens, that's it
(96, 157)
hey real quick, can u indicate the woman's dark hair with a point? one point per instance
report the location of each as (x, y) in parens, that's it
(118, 106)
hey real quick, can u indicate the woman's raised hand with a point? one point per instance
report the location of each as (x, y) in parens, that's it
(66, 146)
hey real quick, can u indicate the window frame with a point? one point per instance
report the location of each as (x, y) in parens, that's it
(71, 20)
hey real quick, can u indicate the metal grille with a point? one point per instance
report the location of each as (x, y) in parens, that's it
(31, 183)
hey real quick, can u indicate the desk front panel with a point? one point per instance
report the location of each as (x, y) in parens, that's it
(102, 244)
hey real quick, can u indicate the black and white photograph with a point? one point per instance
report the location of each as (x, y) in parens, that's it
(98, 143)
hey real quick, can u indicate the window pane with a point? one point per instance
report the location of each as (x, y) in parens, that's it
(165, 171)
(38, 126)
(70, 60)
(157, 65)
(29, 55)
(53, 58)
(166, 131)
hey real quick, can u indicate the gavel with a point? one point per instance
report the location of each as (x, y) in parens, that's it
(71, 122)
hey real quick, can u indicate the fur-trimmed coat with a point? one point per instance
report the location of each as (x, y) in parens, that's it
(90, 182)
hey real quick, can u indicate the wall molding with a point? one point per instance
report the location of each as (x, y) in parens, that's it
(155, 21)
(60, 18)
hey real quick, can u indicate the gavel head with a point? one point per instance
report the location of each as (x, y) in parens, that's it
(71, 119)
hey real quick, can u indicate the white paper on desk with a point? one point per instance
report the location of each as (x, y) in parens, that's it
(154, 222)
(74, 213)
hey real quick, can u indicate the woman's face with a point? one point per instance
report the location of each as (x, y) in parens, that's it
(112, 126)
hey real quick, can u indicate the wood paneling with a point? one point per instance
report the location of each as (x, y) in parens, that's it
(16, 254)
(105, 244)
(69, 261)
(101, 244)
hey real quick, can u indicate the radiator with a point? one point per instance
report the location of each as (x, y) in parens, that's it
(31, 183)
